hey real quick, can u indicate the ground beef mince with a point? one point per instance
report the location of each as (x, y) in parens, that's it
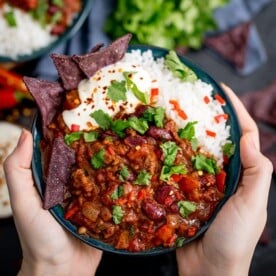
(136, 189)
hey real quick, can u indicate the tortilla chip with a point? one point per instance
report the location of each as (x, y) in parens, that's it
(60, 164)
(48, 96)
(231, 45)
(93, 61)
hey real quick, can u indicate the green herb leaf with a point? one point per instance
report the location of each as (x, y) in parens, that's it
(143, 178)
(180, 241)
(40, 12)
(97, 160)
(117, 214)
(10, 18)
(124, 173)
(228, 149)
(117, 193)
(58, 3)
(73, 136)
(203, 163)
(188, 132)
(155, 114)
(186, 208)
(169, 149)
(179, 69)
(119, 126)
(102, 119)
(138, 124)
(141, 96)
(117, 91)
(90, 136)
(168, 171)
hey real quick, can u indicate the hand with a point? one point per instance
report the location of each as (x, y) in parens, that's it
(47, 248)
(228, 245)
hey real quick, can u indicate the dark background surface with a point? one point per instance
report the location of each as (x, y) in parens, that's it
(264, 260)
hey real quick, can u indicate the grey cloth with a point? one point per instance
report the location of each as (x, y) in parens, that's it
(91, 33)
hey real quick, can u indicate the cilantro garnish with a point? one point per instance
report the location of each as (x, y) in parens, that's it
(155, 114)
(204, 163)
(178, 68)
(118, 192)
(188, 132)
(117, 214)
(186, 208)
(138, 124)
(97, 160)
(102, 119)
(169, 149)
(73, 136)
(143, 178)
(124, 173)
(10, 18)
(117, 91)
(228, 149)
(90, 136)
(168, 171)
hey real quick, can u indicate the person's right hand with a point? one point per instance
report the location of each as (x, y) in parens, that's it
(228, 245)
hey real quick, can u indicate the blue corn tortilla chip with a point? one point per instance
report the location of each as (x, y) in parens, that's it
(59, 170)
(47, 95)
(95, 60)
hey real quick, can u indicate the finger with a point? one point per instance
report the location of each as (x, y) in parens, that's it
(246, 122)
(256, 179)
(19, 175)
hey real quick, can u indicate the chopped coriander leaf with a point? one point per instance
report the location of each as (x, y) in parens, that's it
(155, 114)
(138, 124)
(97, 160)
(117, 214)
(169, 151)
(118, 126)
(141, 96)
(168, 171)
(143, 178)
(117, 193)
(186, 208)
(40, 12)
(10, 18)
(124, 173)
(90, 136)
(194, 143)
(56, 17)
(72, 137)
(228, 149)
(117, 91)
(188, 132)
(102, 119)
(203, 163)
(179, 69)
(58, 3)
(179, 241)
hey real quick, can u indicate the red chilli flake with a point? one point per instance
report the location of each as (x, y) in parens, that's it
(75, 127)
(211, 133)
(219, 99)
(154, 92)
(220, 117)
(180, 112)
(206, 99)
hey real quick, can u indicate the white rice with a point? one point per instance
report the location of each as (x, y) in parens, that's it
(25, 38)
(190, 97)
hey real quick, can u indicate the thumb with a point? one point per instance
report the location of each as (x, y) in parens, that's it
(256, 179)
(19, 176)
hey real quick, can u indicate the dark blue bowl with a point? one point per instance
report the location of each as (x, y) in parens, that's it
(70, 31)
(232, 169)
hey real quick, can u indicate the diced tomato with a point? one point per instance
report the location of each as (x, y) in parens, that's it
(165, 233)
(220, 117)
(75, 127)
(188, 184)
(110, 150)
(220, 180)
(142, 194)
(219, 99)
(191, 231)
(71, 212)
(176, 177)
(210, 133)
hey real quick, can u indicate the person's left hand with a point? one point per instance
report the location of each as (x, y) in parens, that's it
(47, 248)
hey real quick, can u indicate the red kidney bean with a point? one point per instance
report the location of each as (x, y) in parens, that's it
(153, 210)
(159, 133)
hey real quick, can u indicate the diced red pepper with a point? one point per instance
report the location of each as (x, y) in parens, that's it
(218, 118)
(8, 98)
(220, 180)
(219, 99)
(180, 112)
(206, 99)
(142, 194)
(210, 133)
(71, 212)
(154, 92)
(75, 127)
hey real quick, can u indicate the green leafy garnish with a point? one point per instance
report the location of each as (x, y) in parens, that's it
(143, 178)
(10, 18)
(138, 124)
(188, 132)
(117, 193)
(40, 12)
(228, 149)
(97, 160)
(186, 208)
(72, 137)
(168, 171)
(203, 163)
(118, 126)
(167, 24)
(117, 214)
(117, 91)
(58, 3)
(179, 241)
(178, 68)
(141, 96)
(102, 119)
(155, 115)
(169, 151)
(90, 136)
(124, 173)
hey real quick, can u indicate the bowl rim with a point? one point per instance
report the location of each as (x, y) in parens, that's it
(235, 133)
(70, 31)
